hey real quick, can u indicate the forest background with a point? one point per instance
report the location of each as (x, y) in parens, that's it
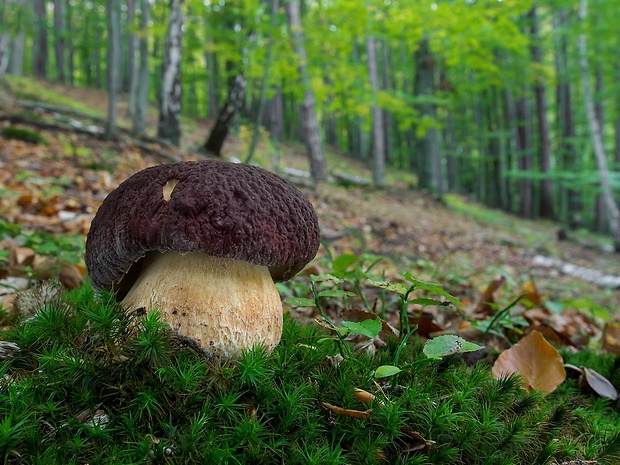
(513, 103)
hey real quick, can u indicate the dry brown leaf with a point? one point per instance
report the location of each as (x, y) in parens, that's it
(364, 396)
(489, 296)
(538, 362)
(600, 384)
(357, 414)
(532, 294)
(415, 442)
(611, 337)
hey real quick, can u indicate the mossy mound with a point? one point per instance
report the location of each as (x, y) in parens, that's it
(91, 385)
(22, 134)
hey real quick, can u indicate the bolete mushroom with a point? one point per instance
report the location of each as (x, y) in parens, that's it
(203, 243)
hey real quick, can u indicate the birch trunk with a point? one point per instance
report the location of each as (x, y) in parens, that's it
(142, 95)
(613, 213)
(309, 123)
(378, 143)
(170, 96)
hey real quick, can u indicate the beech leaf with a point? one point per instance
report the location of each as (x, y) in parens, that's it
(441, 346)
(538, 362)
(385, 371)
(369, 328)
(600, 384)
(300, 302)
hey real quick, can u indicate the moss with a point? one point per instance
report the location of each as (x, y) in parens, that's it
(91, 384)
(22, 134)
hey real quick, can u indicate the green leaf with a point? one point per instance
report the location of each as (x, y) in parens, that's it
(369, 328)
(442, 346)
(325, 277)
(336, 293)
(385, 371)
(300, 302)
(425, 301)
(341, 263)
(431, 287)
(394, 287)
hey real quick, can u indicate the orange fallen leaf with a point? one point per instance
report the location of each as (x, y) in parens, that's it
(538, 362)
(611, 338)
(357, 414)
(489, 296)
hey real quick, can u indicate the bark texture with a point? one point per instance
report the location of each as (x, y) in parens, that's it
(613, 213)
(309, 123)
(170, 96)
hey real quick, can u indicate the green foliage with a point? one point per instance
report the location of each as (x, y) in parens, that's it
(26, 135)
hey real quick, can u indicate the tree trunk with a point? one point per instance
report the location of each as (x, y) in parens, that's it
(523, 138)
(170, 96)
(40, 46)
(570, 198)
(114, 61)
(613, 213)
(234, 102)
(378, 144)
(429, 156)
(211, 62)
(5, 42)
(544, 143)
(142, 94)
(263, 89)
(16, 62)
(59, 39)
(310, 126)
(133, 63)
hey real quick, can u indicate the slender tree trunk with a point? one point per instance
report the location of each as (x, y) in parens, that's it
(40, 46)
(233, 104)
(16, 62)
(5, 42)
(544, 143)
(142, 93)
(59, 39)
(263, 89)
(310, 126)
(133, 63)
(524, 161)
(170, 96)
(212, 69)
(114, 61)
(617, 119)
(378, 144)
(613, 213)
(429, 156)
(69, 23)
(571, 199)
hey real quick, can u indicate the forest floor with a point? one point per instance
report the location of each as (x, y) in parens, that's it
(57, 187)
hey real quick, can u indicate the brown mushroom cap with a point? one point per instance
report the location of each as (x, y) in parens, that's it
(226, 210)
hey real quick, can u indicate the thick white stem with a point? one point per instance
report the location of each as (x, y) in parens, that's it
(224, 305)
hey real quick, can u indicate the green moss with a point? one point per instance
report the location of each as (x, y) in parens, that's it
(22, 134)
(92, 385)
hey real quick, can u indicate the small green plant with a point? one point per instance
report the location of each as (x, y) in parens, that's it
(22, 134)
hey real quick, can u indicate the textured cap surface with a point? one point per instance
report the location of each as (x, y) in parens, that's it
(227, 210)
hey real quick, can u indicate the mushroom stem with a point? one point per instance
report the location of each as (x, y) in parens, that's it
(224, 305)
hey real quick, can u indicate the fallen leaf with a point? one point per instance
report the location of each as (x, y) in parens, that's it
(489, 296)
(415, 442)
(600, 384)
(538, 362)
(357, 414)
(364, 396)
(611, 337)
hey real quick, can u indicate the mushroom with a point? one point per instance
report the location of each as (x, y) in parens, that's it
(203, 243)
